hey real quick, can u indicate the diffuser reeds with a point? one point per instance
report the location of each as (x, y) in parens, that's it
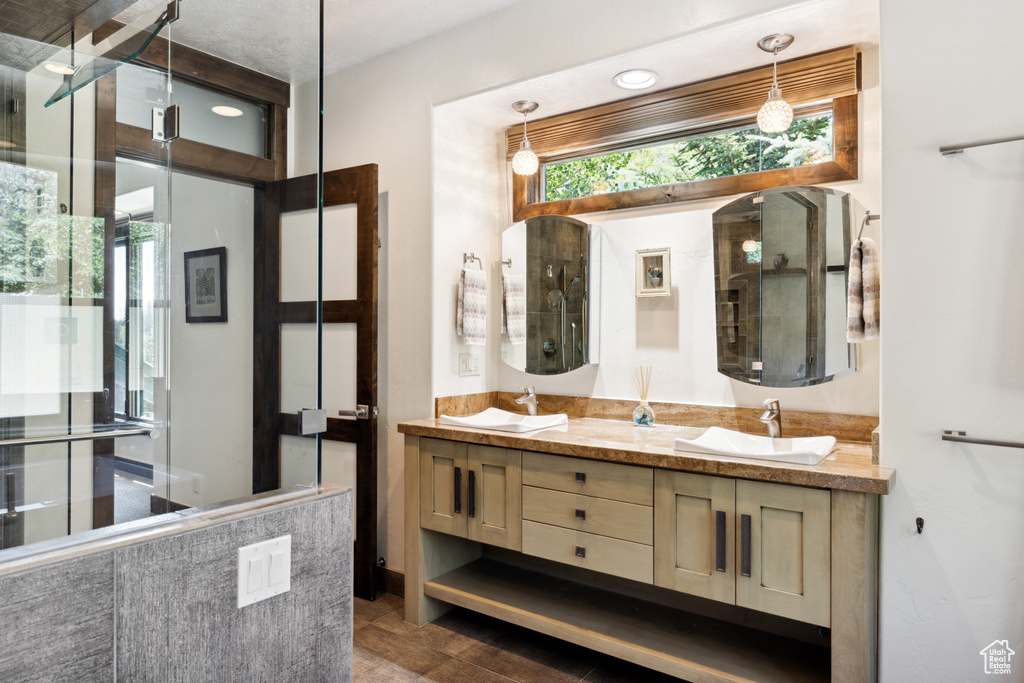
(642, 380)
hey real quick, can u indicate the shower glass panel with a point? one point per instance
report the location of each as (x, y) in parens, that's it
(123, 303)
(79, 286)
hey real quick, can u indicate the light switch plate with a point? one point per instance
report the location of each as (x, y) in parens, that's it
(264, 570)
(469, 364)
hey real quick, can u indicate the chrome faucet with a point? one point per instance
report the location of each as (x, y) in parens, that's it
(529, 399)
(773, 417)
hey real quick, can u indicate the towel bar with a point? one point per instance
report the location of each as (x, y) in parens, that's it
(961, 437)
(63, 438)
(868, 217)
(949, 150)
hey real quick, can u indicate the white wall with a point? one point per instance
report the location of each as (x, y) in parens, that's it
(952, 338)
(211, 363)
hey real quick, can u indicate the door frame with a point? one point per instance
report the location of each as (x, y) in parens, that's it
(356, 185)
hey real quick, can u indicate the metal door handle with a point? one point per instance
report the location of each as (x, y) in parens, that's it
(744, 545)
(720, 541)
(472, 493)
(458, 490)
(362, 412)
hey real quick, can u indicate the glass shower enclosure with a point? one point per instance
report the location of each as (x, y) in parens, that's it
(126, 379)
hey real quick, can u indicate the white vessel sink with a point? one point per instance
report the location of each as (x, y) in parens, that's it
(805, 450)
(504, 421)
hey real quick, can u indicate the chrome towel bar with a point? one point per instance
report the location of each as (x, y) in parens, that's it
(62, 438)
(961, 437)
(947, 150)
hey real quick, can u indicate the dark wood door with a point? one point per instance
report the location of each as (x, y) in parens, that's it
(358, 186)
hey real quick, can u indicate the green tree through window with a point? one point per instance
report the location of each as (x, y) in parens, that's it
(729, 153)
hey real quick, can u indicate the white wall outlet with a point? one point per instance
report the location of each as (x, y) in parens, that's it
(469, 364)
(264, 570)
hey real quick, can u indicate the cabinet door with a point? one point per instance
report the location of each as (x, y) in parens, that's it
(694, 534)
(494, 496)
(784, 550)
(443, 484)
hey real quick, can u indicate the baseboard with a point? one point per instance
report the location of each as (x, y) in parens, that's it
(391, 581)
(159, 505)
(137, 469)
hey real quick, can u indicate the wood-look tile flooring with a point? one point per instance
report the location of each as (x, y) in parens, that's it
(466, 647)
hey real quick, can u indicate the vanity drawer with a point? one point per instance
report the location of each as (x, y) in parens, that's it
(598, 553)
(599, 516)
(626, 483)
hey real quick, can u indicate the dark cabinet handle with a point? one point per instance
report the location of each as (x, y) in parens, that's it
(581, 515)
(472, 493)
(720, 540)
(744, 545)
(458, 490)
(581, 477)
(581, 551)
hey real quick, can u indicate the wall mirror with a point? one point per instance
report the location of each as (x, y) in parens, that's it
(547, 295)
(781, 266)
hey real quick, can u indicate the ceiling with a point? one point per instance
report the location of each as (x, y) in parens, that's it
(817, 25)
(46, 20)
(280, 38)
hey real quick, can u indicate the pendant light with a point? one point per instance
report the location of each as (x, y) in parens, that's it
(776, 115)
(525, 162)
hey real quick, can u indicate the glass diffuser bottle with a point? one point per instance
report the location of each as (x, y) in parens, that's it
(643, 414)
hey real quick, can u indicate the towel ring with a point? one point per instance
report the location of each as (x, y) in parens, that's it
(466, 258)
(507, 262)
(868, 217)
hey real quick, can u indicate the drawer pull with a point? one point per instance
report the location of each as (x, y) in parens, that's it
(458, 490)
(581, 477)
(720, 540)
(581, 551)
(472, 493)
(581, 515)
(745, 545)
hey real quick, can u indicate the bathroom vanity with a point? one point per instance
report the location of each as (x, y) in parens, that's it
(709, 568)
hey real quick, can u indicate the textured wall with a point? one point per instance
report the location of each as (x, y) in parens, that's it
(175, 614)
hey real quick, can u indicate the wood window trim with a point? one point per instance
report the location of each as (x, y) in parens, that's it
(642, 121)
(211, 72)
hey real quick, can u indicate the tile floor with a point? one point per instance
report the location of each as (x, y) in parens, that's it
(466, 647)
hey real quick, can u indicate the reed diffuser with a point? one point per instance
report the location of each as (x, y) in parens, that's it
(643, 415)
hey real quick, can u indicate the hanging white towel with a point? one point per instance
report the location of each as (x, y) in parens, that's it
(471, 317)
(513, 318)
(862, 315)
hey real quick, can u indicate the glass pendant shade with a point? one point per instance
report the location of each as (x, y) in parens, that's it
(750, 246)
(525, 162)
(776, 115)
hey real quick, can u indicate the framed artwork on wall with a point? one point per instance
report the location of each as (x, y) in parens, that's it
(206, 285)
(653, 272)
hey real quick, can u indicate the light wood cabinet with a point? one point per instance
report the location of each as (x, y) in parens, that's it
(784, 548)
(754, 544)
(471, 491)
(578, 527)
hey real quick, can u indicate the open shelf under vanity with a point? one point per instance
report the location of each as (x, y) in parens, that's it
(693, 647)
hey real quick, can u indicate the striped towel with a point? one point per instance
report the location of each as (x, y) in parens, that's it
(513, 317)
(471, 316)
(862, 316)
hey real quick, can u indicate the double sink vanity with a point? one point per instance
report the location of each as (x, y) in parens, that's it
(602, 533)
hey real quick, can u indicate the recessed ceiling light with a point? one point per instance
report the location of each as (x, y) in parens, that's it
(635, 79)
(62, 69)
(223, 110)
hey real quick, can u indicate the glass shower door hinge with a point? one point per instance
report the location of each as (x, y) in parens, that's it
(166, 123)
(312, 421)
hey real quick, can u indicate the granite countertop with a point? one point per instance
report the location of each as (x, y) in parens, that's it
(847, 468)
